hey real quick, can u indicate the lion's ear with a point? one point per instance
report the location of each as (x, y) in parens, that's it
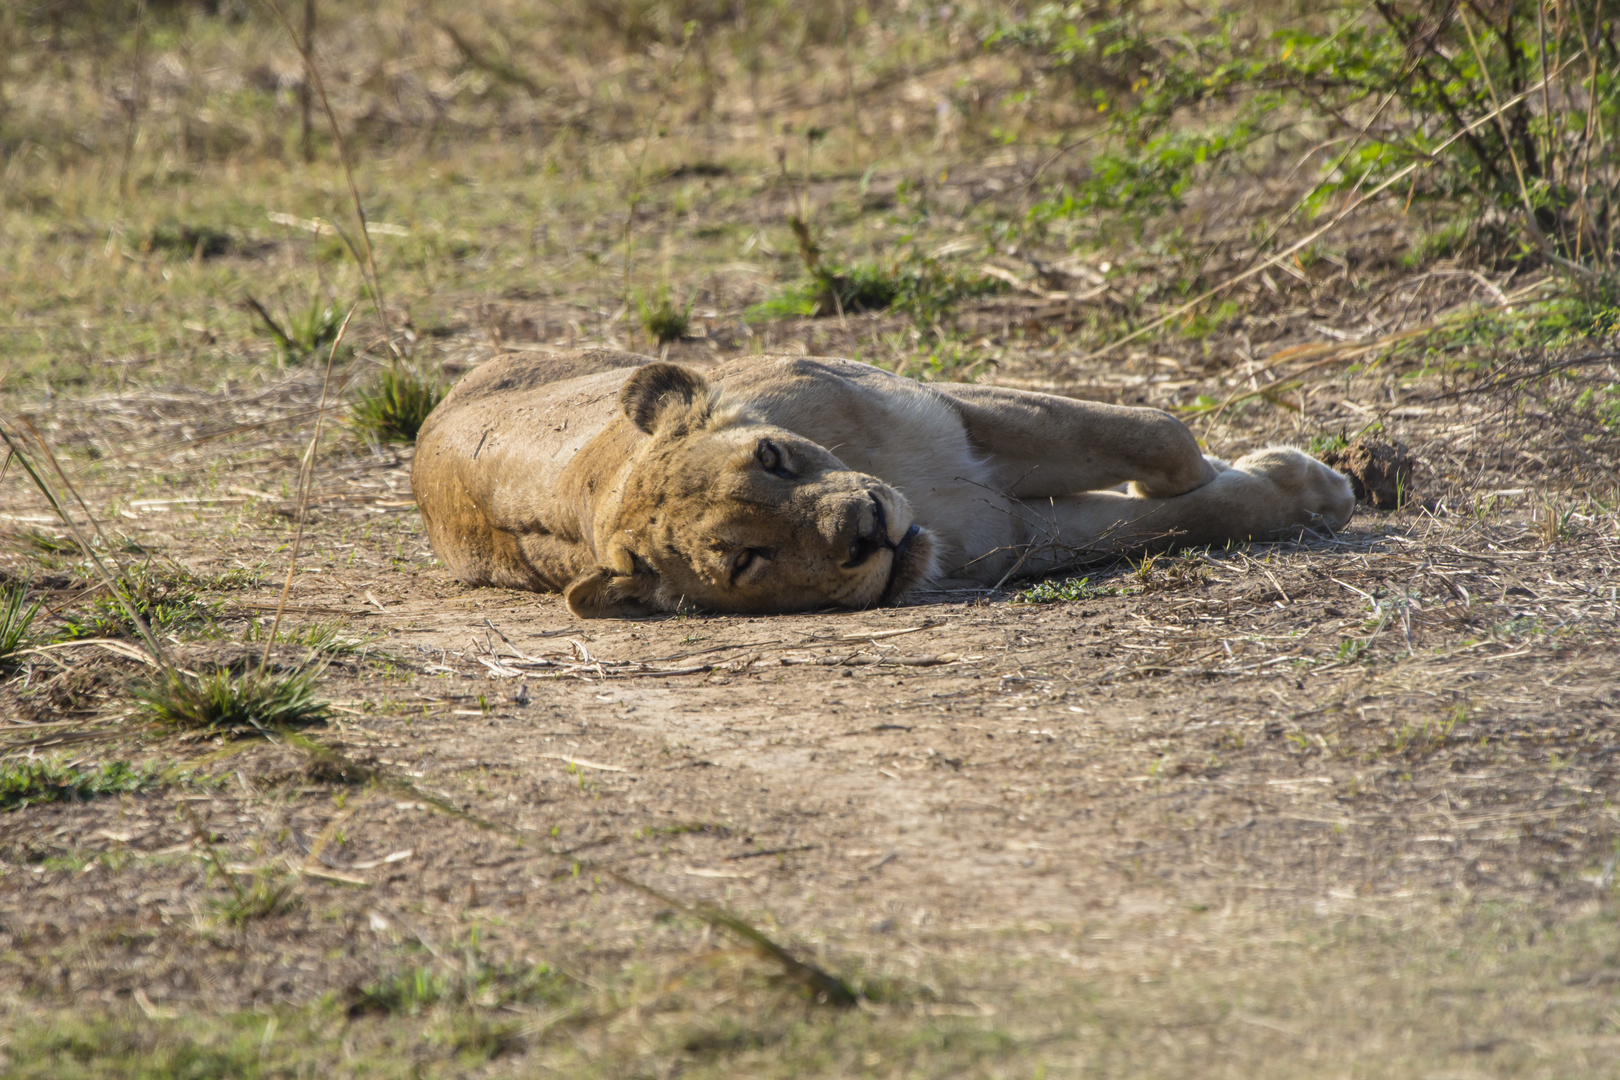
(602, 594)
(657, 388)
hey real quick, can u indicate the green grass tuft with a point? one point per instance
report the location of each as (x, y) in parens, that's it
(15, 622)
(222, 702)
(394, 407)
(1603, 403)
(1327, 444)
(414, 990)
(165, 602)
(327, 638)
(32, 781)
(307, 335)
(663, 321)
(917, 285)
(267, 897)
(190, 241)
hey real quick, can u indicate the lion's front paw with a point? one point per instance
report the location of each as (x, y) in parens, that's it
(1308, 492)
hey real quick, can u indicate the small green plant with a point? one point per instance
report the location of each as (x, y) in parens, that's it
(1327, 444)
(190, 241)
(222, 702)
(163, 601)
(1589, 314)
(404, 993)
(327, 638)
(919, 286)
(1603, 403)
(307, 336)
(15, 621)
(267, 896)
(661, 318)
(417, 989)
(43, 543)
(1068, 590)
(1351, 650)
(395, 405)
(31, 781)
(911, 282)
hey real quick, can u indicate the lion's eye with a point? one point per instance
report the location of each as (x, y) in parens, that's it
(772, 460)
(745, 558)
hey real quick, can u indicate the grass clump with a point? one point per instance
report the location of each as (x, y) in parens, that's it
(223, 702)
(327, 638)
(15, 623)
(163, 602)
(32, 781)
(266, 897)
(661, 318)
(1603, 403)
(307, 335)
(403, 993)
(395, 405)
(917, 285)
(191, 241)
(912, 282)
(412, 991)
(39, 542)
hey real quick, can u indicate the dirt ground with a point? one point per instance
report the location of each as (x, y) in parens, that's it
(1414, 716)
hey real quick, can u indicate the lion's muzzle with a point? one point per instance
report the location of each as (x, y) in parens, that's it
(871, 523)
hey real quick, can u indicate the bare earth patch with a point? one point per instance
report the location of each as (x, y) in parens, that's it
(1380, 746)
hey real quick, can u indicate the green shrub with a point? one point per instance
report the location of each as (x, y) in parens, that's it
(1459, 83)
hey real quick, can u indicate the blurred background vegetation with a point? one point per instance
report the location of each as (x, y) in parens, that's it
(640, 171)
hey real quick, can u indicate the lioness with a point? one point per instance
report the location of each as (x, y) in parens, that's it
(775, 484)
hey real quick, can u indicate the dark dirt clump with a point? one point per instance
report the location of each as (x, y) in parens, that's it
(1380, 472)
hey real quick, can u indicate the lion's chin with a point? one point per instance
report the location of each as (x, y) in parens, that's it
(911, 566)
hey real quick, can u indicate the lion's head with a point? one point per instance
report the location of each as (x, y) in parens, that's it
(721, 512)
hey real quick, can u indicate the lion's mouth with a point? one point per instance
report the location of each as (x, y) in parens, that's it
(907, 564)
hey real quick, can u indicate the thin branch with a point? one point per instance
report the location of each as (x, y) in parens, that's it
(306, 476)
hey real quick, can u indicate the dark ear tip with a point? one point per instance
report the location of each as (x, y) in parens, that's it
(593, 595)
(656, 387)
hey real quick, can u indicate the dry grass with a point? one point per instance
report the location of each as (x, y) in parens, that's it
(1345, 802)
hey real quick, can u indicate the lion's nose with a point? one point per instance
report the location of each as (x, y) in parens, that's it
(871, 532)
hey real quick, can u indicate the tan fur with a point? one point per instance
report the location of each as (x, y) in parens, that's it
(772, 484)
